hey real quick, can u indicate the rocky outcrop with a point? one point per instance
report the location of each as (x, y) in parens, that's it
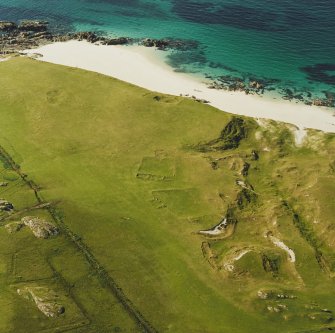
(117, 41)
(31, 34)
(7, 26)
(6, 205)
(320, 102)
(29, 25)
(224, 229)
(40, 227)
(230, 137)
(277, 308)
(209, 255)
(14, 227)
(247, 85)
(169, 43)
(245, 197)
(45, 299)
(260, 86)
(254, 155)
(274, 294)
(256, 85)
(161, 44)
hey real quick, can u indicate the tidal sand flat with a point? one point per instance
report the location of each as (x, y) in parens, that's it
(142, 67)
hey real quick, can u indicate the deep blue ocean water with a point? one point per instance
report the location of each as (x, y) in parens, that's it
(268, 39)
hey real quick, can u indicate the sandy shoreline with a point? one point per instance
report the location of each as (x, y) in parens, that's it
(141, 66)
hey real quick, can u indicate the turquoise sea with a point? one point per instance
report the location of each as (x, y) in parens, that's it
(289, 42)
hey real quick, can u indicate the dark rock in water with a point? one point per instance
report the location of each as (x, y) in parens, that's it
(298, 97)
(159, 43)
(7, 26)
(92, 37)
(170, 43)
(288, 94)
(118, 41)
(33, 25)
(148, 42)
(320, 73)
(249, 85)
(86, 35)
(329, 95)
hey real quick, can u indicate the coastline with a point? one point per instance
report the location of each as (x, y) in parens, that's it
(143, 67)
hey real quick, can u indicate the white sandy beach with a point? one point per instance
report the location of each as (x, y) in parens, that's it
(141, 66)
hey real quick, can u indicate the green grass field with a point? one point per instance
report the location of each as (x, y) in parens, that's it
(130, 180)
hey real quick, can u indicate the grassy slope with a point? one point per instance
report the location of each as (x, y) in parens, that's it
(84, 138)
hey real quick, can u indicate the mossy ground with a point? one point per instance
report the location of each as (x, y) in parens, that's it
(133, 178)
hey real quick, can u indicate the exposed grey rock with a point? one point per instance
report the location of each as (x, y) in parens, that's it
(5, 205)
(169, 43)
(274, 295)
(45, 299)
(7, 26)
(277, 308)
(118, 41)
(29, 25)
(14, 227)
(262, 294)
(40, 228)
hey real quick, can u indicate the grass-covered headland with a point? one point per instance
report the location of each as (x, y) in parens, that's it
(124, 210)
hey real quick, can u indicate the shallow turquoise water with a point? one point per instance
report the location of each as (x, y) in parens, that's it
(255, 38)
